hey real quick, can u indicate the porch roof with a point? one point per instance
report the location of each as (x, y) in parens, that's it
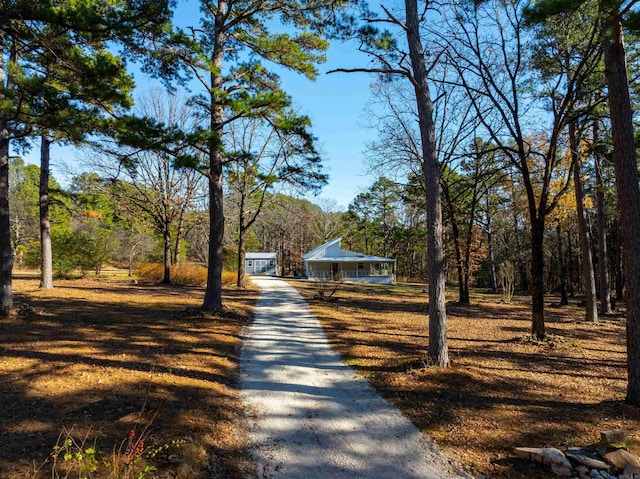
(351, 259)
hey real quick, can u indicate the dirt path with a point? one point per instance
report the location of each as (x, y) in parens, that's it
(311, 416)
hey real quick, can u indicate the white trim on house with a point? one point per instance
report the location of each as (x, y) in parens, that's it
(329, 262)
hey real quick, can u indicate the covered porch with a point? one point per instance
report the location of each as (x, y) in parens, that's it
(380, 271)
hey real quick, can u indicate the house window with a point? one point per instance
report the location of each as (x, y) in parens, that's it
(271, 263)
(250, 263)
(360, 266)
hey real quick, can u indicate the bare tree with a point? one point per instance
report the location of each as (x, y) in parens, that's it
(262, 156)
(147, 185)
(589, 279)
(411, 65)
(328, 219)
(487, 48)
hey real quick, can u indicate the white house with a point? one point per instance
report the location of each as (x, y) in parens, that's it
(260, 263)
(329, 262)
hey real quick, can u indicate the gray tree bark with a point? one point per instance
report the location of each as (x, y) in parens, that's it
(213, 294)
(603, 266)
(589, 279)
(627, 188)
(438, 348)
(46, 273)
(6, 252)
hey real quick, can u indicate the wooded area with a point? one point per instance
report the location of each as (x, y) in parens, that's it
(505, 159)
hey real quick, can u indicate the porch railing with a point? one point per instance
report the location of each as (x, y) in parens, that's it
(329, 276)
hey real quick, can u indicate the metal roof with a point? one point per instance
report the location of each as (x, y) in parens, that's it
(321, 247)
(345, 256)
(351, 259)
(261, 255)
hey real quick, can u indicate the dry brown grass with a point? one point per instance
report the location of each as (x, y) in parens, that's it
(502, 390)
(183, 274)
(92, 354)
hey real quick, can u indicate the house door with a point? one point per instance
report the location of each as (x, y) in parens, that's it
(259, 266)
(334, 271)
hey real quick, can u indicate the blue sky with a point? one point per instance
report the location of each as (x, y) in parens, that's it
(334, 102)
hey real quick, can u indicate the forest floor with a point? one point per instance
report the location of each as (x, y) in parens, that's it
(84, 364)
(503, 389)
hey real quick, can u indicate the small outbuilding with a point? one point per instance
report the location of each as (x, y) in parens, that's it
(260, 263)
(330, 263)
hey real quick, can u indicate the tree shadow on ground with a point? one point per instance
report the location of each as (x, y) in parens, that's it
(101, 360)
(503, 389)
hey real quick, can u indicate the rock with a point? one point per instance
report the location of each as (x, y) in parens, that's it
(581, 456)
(596, 474)
(603, 449)
(632, 470)
(621, 458)
(533, 454)
(543, 455)
(613, 435)
(555, 456)
(562, 471)
(582, 469)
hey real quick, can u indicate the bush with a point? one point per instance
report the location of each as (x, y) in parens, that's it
(152, 272)
(184, 274)
(229, 278)
(189, 274)
(72, 251)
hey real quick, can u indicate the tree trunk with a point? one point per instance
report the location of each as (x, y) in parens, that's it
(589, 280)
(570, 265)
(213, 294)
(438, 349)
(166, 277)
(46, 275)
(627, 189)
(603, 267)
(617, 264)
(563, 270)
(537, 278)
(469, 243)
(132, 253)
(6, 252)
(178, 243)
(463, 291)
(492, 261)
(241, 255)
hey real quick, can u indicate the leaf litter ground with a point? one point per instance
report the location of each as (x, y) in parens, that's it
(103, 357)
(99, 358)
(503, 389)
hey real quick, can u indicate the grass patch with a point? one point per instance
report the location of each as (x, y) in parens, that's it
(104, 357)
(503, 389)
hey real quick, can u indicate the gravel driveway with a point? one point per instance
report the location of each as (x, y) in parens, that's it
(310, 415)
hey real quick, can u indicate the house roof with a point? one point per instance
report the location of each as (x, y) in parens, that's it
(320, 248)
(319, 255)
(261, 255)
(352, 259)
